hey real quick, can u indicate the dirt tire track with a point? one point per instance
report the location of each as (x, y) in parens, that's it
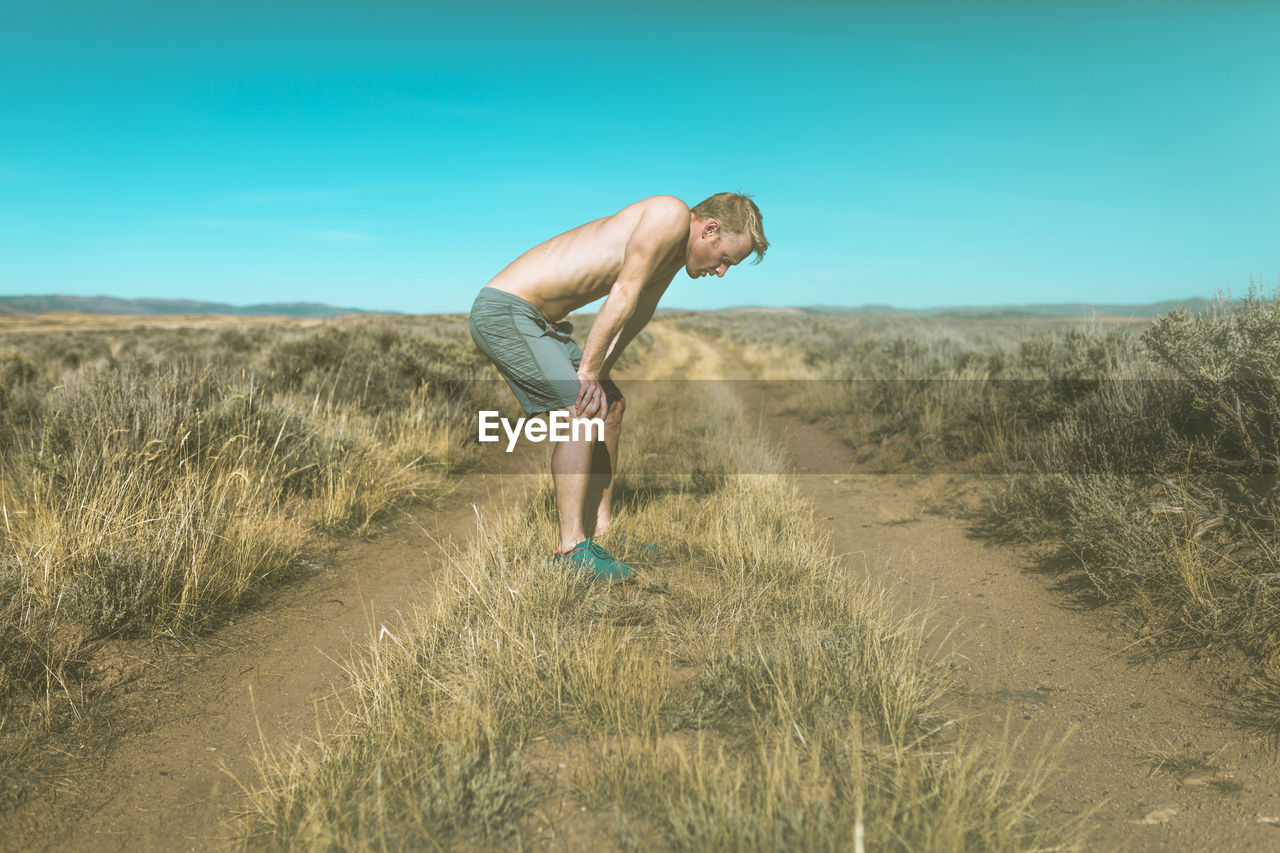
(1024, 657)
(166, 783)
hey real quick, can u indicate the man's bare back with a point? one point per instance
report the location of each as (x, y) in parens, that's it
(581, 265)
(631, 257)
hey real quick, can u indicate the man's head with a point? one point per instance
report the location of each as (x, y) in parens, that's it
(723, 231)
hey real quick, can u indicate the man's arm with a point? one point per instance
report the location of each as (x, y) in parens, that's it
(657, 234)
(640, 318)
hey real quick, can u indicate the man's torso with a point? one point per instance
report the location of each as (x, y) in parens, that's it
(581, 265)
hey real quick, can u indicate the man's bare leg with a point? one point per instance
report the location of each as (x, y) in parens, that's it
(597, 508)
(571, 470)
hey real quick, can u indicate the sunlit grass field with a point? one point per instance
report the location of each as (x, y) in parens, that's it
(1145, 454)
(155, 472)
(743, 693)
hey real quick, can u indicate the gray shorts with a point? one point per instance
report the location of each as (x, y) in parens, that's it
(537, 357)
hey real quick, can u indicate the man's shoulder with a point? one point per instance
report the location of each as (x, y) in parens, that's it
(660, 215)
(664, 205)
(655, 207)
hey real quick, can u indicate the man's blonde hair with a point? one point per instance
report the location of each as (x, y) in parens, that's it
(737, 214)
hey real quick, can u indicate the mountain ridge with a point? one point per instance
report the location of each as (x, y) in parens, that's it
(43, 304)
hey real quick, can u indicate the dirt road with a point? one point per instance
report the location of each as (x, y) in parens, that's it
(1144, 759)
(190, 725)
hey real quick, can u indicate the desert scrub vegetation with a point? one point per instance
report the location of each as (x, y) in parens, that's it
(911, 393)
(742, 694)
(1148, 454)
(152, 478)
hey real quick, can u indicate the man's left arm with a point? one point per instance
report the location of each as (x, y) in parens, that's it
(655, 236)
(639, 318)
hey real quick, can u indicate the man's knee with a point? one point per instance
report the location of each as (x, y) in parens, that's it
(616, 409)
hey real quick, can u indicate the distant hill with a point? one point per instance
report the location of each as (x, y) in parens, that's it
(112, 305)
(1062, 309)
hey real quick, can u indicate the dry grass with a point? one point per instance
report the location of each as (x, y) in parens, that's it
(742, 693)
(1148, 453)
(154, 474)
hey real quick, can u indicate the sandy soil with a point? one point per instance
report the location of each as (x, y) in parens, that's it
(1025, 654)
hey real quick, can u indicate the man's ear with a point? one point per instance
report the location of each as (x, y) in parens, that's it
(711, 228)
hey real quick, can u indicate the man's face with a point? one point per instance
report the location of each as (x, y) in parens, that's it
(714, 251)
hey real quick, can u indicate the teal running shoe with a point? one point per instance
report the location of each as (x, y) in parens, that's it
(587, 556)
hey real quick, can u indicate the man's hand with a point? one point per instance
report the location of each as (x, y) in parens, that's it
(591, 400)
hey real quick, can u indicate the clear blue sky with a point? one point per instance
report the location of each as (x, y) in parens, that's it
(395, 155)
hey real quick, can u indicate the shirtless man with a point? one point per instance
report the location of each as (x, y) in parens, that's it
(629, 257)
